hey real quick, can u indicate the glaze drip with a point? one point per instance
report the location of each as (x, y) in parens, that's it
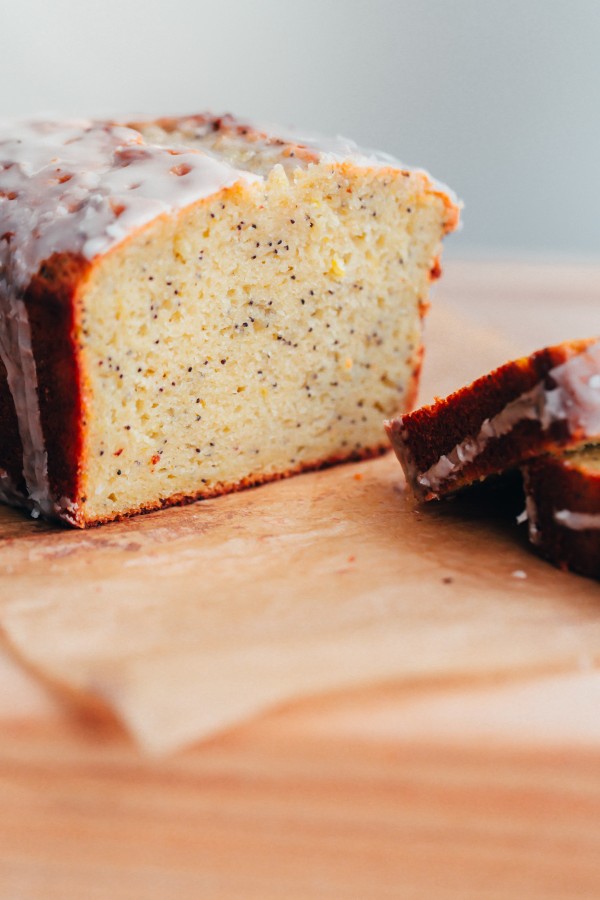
(577, 521)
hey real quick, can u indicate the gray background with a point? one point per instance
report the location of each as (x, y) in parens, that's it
(498, 99)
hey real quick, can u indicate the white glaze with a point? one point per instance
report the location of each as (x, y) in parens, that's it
(531, 516)
(576, 399)
(17, 356)
(578, 382)
(82, 187)
(577, 521)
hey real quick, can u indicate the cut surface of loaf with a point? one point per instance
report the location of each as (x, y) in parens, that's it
(563, 508)
(190, 306)
(521, 410)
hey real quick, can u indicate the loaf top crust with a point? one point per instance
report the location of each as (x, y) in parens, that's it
(82, 186)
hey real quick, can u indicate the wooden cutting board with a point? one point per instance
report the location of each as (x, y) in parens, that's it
(459, 754)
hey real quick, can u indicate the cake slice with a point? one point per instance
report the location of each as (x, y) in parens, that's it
(539, 403)
(563, 508)
(190, 306)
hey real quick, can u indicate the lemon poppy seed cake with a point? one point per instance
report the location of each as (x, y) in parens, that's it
(190, 306)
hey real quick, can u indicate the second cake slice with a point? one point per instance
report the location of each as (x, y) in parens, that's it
(521, 410)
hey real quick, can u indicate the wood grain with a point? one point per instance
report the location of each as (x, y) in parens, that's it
(470, 768)
(307, 803)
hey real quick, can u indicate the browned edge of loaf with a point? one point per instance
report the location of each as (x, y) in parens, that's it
(554, 483)
(420, 438)
(53, 309)
(50, 304)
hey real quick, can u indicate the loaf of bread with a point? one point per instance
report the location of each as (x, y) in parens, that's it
(191, 306)
(544, 402)
(563, 508)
